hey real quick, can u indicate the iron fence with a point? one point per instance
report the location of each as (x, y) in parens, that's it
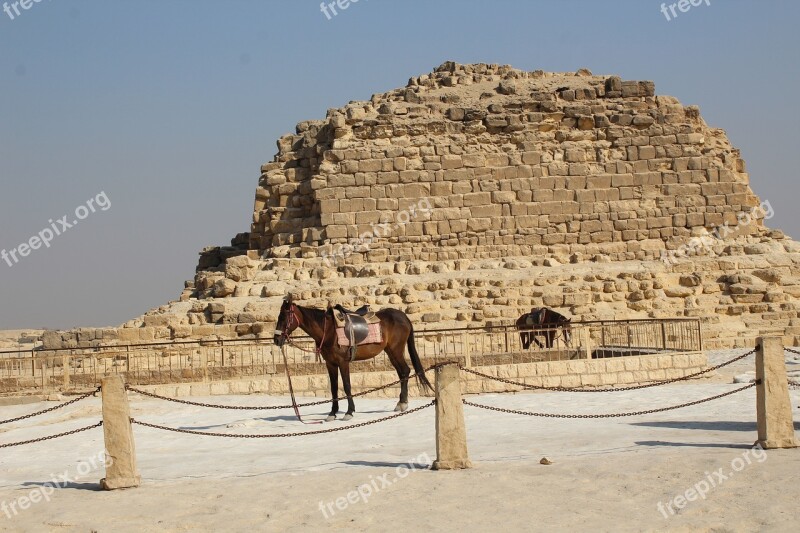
(193, 361)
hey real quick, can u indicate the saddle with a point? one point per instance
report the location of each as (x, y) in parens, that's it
(356, 327)
(535, 317)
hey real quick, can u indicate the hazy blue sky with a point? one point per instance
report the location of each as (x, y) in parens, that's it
(171, 106)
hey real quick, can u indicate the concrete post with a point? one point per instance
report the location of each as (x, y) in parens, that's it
(451, 433)
(775, 425)
(121, 470)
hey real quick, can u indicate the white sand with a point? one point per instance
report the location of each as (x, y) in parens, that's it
(608, 474)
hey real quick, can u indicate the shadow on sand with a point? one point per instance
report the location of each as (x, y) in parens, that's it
(706, 425)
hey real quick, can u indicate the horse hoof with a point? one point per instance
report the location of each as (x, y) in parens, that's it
(330, 418)
(347, 417)
(401, 407)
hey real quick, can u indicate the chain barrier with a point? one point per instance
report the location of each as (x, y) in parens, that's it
(282, 435)
(608, 389)
(262, 407)
(51, 437)
(49, 409)
(277, 407)
(793, 384)
(611, 415)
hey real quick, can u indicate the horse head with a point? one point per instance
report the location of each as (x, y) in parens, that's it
(567, 329)
(288, 321)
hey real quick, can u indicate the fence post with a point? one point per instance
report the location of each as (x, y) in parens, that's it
(587, 339)
(774, 409)
(121, 470)
(467, 357)
(451, 433)
(65, 369)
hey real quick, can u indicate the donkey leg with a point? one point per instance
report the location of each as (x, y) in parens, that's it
(333, 376)
(351, 406)
(536, 340)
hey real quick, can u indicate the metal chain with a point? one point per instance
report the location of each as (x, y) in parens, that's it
(263, 407)
(612, 415)
(49, 409)
(793, 384)
(276, 407)
(40, 439)
(608, 389)
(282, 435)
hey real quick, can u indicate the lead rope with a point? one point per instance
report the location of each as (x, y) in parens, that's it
(289, 375)
(291, 389)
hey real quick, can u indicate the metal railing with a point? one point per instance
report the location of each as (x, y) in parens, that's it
(200, 361)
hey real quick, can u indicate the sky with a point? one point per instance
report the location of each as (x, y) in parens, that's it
(152, 118)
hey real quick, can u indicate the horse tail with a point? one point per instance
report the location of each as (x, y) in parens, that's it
(422, 379)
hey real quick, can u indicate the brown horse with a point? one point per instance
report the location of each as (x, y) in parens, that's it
(397, 333)
(545, 322)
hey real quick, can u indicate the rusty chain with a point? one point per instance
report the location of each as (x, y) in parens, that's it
(795, 384)
(277, 407)
(49, 409)
(282, 435)
(612, 415)
(607, 389)
(50, 437)
(791, 351)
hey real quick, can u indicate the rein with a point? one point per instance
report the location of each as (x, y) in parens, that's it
(292, 322)
(291, 390)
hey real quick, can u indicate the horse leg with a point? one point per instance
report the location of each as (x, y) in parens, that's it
(333, 376)
(525, 340)
(548, 337)
(351, 406)
(403, 371)
(535, 339)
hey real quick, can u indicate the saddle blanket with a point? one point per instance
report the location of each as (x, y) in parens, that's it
(374, 336)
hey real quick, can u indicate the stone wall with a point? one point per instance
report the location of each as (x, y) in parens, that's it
(512, 163)
(589, 373)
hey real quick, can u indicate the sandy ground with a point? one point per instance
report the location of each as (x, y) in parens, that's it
(607, 474)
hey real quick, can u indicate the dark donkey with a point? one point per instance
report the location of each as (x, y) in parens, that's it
(543, 321)
(397, 333)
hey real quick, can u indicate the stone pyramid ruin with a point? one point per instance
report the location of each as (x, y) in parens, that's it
(479, 191)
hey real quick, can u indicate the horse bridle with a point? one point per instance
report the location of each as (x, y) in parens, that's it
(290, 324)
